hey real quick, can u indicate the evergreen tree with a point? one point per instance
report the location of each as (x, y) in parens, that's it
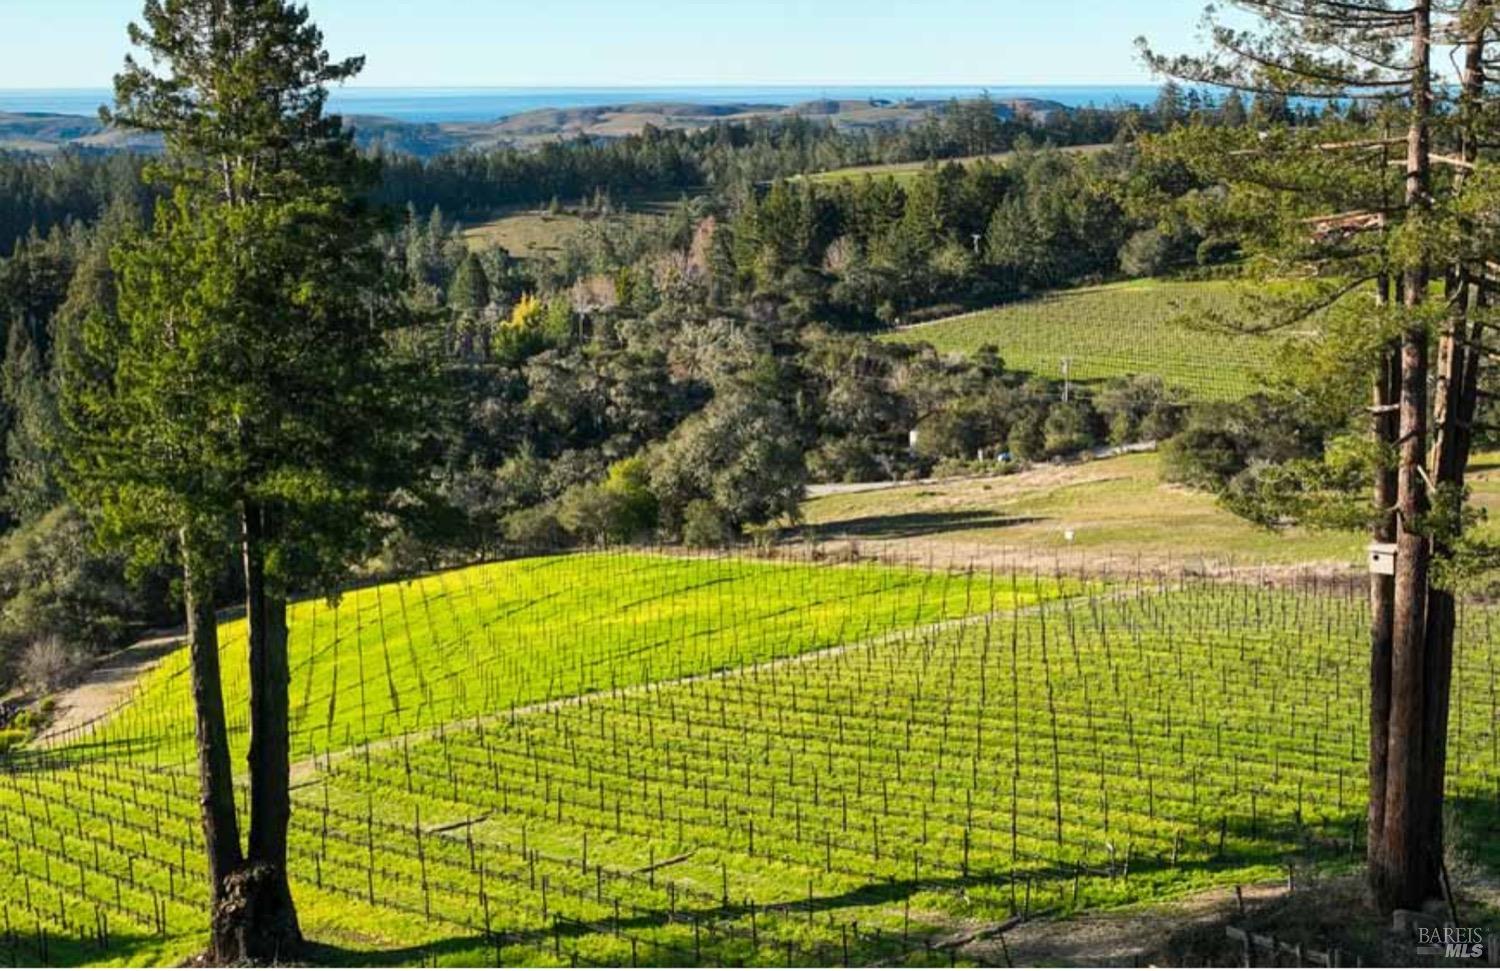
(1232, 112)
(924, 222)
(232, 403)
(468, 298)
(1170, 106)
(1379, 205)
(1269, 108)
(31, 488)
(469, 293)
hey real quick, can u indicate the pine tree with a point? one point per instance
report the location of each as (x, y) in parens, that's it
(1268, 108)
(232, 402)
(1380, 205)
(31, 489)
(1170, 108)
(468, 298)
(1232, 112)
(469, 293)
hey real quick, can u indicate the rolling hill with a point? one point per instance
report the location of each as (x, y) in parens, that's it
(1144, 327)
(45, 133)
(632, 759)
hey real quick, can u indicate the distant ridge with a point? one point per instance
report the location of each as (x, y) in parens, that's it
(437, 105)
(45, 133)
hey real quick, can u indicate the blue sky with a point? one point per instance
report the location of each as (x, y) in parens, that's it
(79, 43)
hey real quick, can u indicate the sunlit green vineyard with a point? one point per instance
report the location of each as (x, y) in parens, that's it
(828, 793)
(1144, 328)
(400, 657)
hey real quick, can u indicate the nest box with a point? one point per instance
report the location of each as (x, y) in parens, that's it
(1383, 559)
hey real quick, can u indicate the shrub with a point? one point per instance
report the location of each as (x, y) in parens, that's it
(423, 532)
(703, 525)
(1145, 254)
(1215, 250)
(54, 584)
(48, 664)
(741, 454)
(519, 483)
(1162, 422)
(849, 458)
(1137, 408)
(591, 513)
(619, 510)
(570, 468)
(1208, 453)
(536, 529)
(1218, 441)
(12, 738)
(1069, 428)
(957, 431)
(763, 536)
(629, 481)
(1028, 436)
(953, 468)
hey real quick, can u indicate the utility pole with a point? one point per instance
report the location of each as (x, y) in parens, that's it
(1067, 384)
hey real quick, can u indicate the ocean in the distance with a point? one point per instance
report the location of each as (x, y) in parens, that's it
(489, 104)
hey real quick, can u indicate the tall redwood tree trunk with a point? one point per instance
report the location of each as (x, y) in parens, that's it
(221, 830)
(1386, 394)
(1403, 872)
(1403, 875)
(1453, 410)
(268, 914)
(1454, 404)
(1406, 866)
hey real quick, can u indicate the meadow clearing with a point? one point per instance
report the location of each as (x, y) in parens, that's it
(904, 172)
(1109, 513)
(532, 232)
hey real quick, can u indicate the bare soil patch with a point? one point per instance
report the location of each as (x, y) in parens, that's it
(1325, 915)
(106, 687)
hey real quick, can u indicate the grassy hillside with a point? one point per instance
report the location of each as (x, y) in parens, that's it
(42, 134)
(442, 654)
(1117, 507)
(528, 232)
(396, 658)
(1145, 327)
(1127, 742)
(51, 133)
(905, 171)
(525, 233)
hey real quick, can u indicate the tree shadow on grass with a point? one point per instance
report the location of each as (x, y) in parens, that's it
(64, 757)
(913, 525)
(930, 942)
(1474, 831)
(29, 944)
(470, 946)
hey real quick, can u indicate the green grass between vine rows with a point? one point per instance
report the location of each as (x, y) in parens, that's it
(1142, 328)
(401, 657)
(1064, 747)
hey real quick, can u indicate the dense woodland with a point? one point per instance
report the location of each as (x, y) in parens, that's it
(680, 378)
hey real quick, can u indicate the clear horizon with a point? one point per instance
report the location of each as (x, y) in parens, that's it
(451, 44)
(487, 103)
(680, 85)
